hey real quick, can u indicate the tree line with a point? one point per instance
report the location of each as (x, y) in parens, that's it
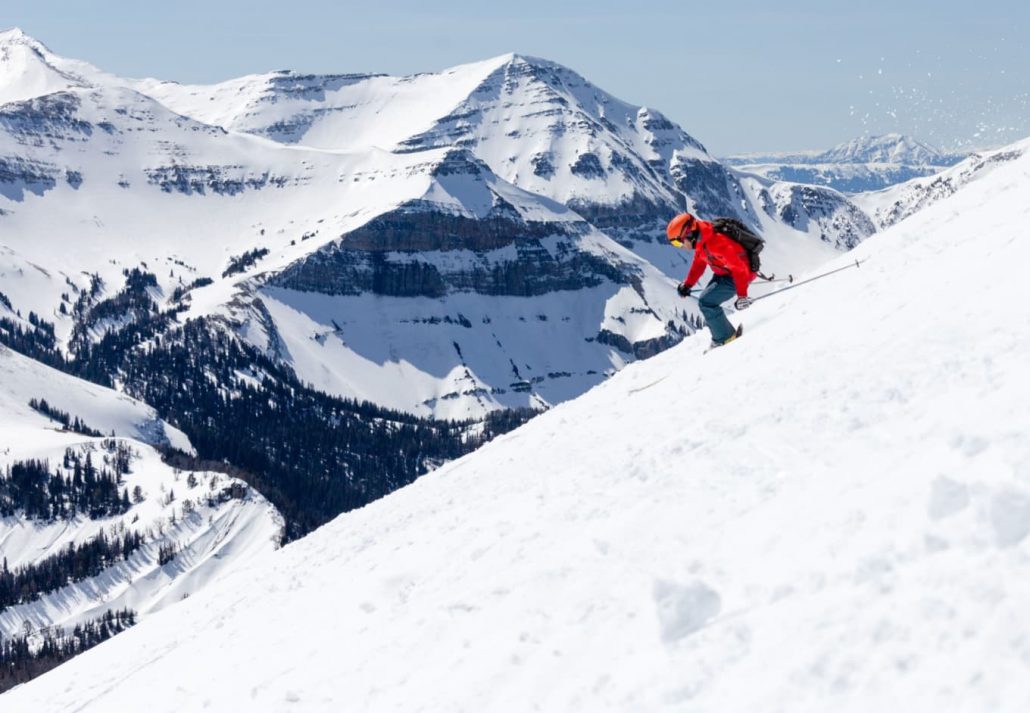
(32, 488)
(24, 657)
(74, 563)
(70, 423)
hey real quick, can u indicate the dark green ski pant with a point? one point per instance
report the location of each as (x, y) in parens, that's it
(720, 289)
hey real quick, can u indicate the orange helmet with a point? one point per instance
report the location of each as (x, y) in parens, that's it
(678, 228)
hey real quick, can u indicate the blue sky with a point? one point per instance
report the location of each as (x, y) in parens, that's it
(740, 75)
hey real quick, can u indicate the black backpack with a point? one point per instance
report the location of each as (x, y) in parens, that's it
(737, 231)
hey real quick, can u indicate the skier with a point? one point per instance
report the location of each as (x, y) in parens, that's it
(731, 268)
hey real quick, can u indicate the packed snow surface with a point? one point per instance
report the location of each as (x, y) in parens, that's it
(830, 514)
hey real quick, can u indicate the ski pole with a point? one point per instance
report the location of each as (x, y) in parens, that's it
(857, 263)
(773, 278)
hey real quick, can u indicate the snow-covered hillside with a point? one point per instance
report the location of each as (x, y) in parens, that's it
(23, 379)
(831, 514)
(214, 524)
(867, 163)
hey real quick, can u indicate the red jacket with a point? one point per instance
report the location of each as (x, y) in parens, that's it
(724, 255)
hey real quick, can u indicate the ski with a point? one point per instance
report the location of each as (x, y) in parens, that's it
(735, 336)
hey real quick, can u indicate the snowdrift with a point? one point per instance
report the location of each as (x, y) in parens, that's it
(830, 514)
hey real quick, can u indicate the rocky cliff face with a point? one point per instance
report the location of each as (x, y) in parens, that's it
(418, 252)
(19, 176)
(533, 301)
(820, 212)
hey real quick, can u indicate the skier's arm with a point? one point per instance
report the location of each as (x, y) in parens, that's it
(697, 268)
(741, 280)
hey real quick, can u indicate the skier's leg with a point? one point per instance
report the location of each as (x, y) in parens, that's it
(720, 289)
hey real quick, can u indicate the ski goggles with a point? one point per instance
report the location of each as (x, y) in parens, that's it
(685, 232)
(686, 239)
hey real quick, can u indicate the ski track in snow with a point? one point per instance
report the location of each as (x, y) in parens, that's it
(833, 514)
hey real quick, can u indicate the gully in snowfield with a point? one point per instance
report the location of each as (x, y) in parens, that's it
(731, 250)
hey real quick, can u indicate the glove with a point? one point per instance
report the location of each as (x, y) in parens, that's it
(683, 289)
(742, 303)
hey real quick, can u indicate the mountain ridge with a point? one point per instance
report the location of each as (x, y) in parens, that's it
(873, 148)
(891, 205)
(863, 164)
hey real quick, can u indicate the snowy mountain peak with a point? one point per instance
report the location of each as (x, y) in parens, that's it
(15, 35)
(29, 69)
(887, 148)
(16, 43)
(526, 60)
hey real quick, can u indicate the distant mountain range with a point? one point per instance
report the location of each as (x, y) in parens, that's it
(891, 205)
(864, 164)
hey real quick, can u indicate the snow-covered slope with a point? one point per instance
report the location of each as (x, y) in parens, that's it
(341, 111)
(225, 526)
(23, 379)
(461, 331)
(831, 514)
(867, 163)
